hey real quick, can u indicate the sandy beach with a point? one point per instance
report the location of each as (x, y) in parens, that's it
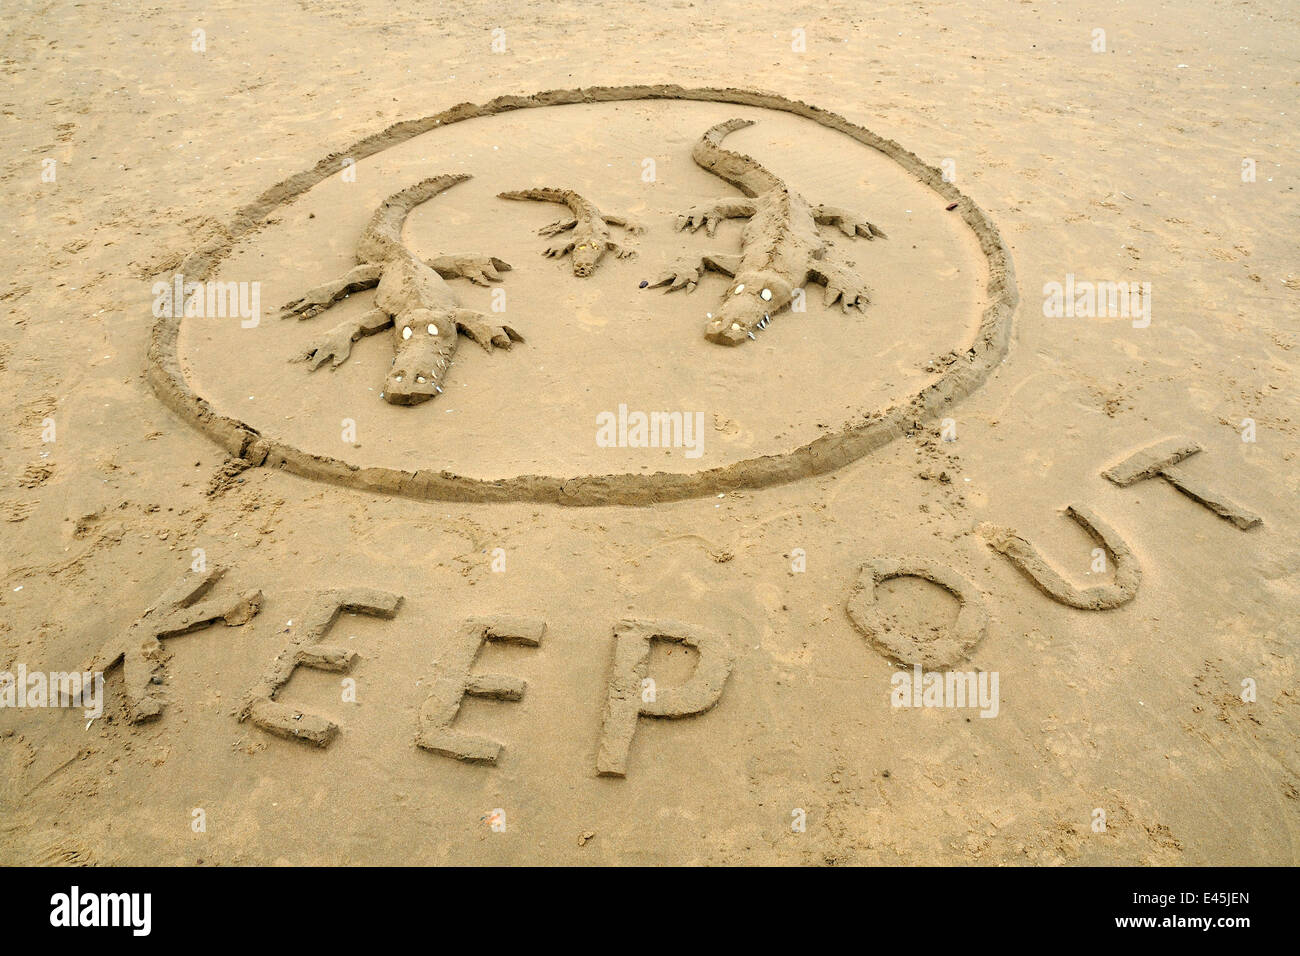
(934, 502)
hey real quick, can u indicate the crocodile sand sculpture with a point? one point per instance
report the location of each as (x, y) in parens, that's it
(411, 297)
(588, 230)
(780, 247)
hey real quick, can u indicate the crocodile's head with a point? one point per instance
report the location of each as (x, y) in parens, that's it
(751, 301)
(423, 344)
(586, 254)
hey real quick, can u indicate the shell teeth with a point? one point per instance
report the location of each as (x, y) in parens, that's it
(752, 336)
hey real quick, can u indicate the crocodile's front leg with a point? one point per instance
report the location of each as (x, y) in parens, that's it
(336, 345)
(841, 281)
(481, 270)
(709, 214)
(317, 300)
(555, 228)
(480, 328)
(850, 223)
(687, 272)
(635, 228)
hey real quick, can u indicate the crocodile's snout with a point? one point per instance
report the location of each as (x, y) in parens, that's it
(723, 334)
(403, 386)
(585, 258)
(748, 308)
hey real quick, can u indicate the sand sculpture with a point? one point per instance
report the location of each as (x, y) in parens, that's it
(838, 447)
(454, 683)
(588, 231)
(1163, 459)
(305, 648)
(633, 694)
(1019, 551)
(632, 691)
(180, 610)
(412, 298)
(953, 645)
(780, 249)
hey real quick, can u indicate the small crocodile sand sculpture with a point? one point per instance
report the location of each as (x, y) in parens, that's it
(412, 297)
(780, 248)
(588, 230)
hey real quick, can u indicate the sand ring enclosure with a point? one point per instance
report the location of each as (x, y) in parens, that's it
(804, 394)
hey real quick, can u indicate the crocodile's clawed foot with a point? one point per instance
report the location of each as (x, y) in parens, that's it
(683, 275)
(557, 249)
(315, 301)
(474, 325)
(622, 252)
(849, 223)
(478, 269)
(310, 305)
(555, 228)
(693, 219)
(334, 346)
(843, 284)
(710, 214)
(631, 227)
(848, 298)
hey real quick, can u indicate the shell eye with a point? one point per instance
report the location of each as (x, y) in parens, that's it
(433, 330)
(406, 332)
(739, 289)
(766, 295)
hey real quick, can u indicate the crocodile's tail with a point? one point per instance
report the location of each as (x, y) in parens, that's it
(743, 172)
(565, 197)
(383, 236)
(715, 134)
